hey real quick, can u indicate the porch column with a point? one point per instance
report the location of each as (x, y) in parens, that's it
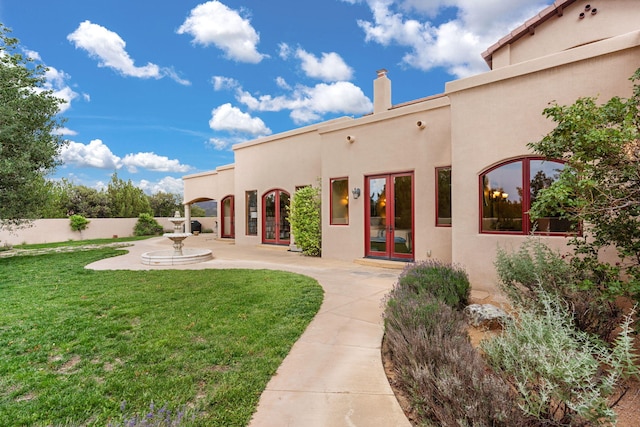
(187, 215)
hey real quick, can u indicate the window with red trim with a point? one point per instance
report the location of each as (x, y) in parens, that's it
(339, 201)
(507, 192)
(443, 197)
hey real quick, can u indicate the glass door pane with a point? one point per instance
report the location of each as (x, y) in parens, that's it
(285, 227)
(377, 218)
(270, 217)
(402, 230)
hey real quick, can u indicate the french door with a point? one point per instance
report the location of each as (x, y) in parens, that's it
(228, 214)
(275, 225)
(389, 222)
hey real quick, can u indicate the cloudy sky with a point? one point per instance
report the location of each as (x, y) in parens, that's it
(160, 89)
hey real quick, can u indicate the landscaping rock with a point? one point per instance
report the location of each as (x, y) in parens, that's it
(485, 315)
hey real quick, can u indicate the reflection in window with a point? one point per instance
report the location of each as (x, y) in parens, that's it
(507, 192)
(251, 198)
(339, 201)
(443, 194)
(541, 175)
(502, 198)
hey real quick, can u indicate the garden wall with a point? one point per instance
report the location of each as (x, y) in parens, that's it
(59, 230)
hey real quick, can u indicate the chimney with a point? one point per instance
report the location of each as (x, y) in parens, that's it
(381, 92)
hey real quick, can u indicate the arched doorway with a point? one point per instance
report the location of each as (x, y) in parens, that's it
(275, 225)
(228, 213)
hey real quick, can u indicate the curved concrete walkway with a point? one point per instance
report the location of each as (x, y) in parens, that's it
(333, 375)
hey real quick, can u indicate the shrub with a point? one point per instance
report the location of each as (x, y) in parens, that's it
(78, 222)
(446, 379)
(304, 216)
(557, 369)
(147, 226)
(534, 265)
(445, 282)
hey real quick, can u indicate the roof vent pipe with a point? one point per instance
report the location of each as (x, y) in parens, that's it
(594, 11)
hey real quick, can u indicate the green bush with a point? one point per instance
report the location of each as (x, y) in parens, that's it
(304, 217)
(445, 378)
(78, 222)
(562, 375)
(147, 226)
(534, 265)
(445, 282)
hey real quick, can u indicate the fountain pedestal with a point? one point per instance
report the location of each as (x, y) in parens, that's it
(179, 255)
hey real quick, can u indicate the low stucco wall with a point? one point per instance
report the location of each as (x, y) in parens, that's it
(59, 230)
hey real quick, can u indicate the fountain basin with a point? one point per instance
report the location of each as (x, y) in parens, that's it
(168, 257)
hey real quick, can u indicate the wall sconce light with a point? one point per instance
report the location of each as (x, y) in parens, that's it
(355, 192)
(351, 138)
(421, 124)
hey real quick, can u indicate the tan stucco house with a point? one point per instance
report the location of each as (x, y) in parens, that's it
(445, 177)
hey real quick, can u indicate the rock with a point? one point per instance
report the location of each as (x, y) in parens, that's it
(485, 315)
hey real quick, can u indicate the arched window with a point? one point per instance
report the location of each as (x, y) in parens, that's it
(507, 192)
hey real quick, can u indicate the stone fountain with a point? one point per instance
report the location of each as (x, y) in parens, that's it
(177, 236)
(178, 255)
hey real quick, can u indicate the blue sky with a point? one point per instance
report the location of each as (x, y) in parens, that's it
(159, 89)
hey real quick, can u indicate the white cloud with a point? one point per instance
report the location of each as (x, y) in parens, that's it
(284, 51)
(282, 83)
(231, 119)
(153, 162)
(221, 82)
(167, 184)
(308, 104)
(215, 23)
(98, 155)
(330, 67)
(56, 82)
(64, 131)
(109, 49)
(454, 44)
(94, 155)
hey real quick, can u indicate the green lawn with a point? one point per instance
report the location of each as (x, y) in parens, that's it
(76, 344)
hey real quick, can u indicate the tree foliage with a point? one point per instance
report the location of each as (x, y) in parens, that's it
(28, 144)
(600, 184)
(304, 217)
(165, 204)
(127, 200)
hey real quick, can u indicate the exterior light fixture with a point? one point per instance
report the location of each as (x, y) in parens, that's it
(355, 192)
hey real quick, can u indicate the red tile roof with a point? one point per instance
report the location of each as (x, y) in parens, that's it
(529, 27)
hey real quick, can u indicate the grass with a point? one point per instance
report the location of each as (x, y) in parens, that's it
(80, 242)
(75, 344)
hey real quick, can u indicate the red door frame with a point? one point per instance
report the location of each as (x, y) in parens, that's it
(274, 228)
(387, 243)
(232, 226)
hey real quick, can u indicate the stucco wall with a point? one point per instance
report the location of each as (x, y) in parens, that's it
(284, 162)
(58, 230)
(494, 120)
(389, 142)
(564, 32)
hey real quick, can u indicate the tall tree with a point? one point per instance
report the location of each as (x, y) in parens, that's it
(165, 204)
(600, 183)
(28, 146)
(126, 200)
